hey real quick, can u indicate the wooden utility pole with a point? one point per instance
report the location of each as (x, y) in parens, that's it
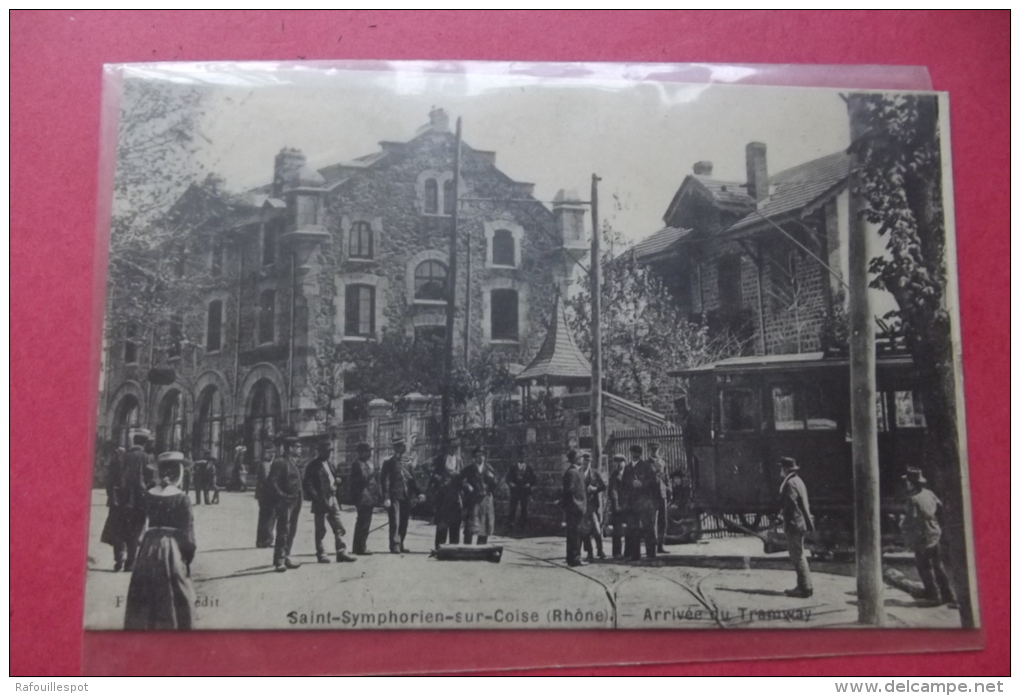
(863, 418)
(596, 327)
(451, 297)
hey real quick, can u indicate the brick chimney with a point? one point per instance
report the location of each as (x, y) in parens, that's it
(287, 170)
(439, 120)
(703, 168)
(757, 172)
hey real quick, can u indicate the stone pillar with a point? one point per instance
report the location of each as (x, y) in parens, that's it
(377, 410)
(412, 407)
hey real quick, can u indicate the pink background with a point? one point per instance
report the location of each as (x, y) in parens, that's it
(56, 60)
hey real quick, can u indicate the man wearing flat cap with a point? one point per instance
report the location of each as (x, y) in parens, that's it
(647, 493)
(574, 502)
(320, 484)
(364, 491)
(797, 521)
(400, 491)
(619, 496)
(922, 533)
(478, 483)
(285, 491)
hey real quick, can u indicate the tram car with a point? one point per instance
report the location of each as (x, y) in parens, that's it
(741, 414)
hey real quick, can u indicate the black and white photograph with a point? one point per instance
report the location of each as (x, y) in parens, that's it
(467, 346)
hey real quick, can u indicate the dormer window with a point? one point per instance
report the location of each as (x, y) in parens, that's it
(361, 241)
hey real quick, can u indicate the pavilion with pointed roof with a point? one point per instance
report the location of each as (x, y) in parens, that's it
(559, 362)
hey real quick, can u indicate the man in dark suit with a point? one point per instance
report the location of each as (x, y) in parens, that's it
(400, 491)
(135, 480)
(619, 495)
(320, 485)
(592, 528)
(520, 479)
(662, 518)
(264, 532)
(285, 491)
(113, 530)
(364, 491)
(574, 502)
(478, 483)
(797, 521)
(445, 494)
(647, 499)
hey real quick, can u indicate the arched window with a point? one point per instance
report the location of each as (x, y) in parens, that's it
(360, 246)
(504, 315)
(431, 197)
(170, 431)
(430, 281)
(449, 197)
(214, 326)
(263, 419)
(209, 424)
(126, 418)
(359, 317)
(503, 249)
(267, 317)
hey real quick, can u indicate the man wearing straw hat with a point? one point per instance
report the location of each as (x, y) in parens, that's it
(922, 533)
(797, 521)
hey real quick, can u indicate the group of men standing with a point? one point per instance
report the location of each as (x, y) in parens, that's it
(280, 487)
(639, 496)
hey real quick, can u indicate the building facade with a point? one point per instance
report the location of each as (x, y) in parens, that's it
(339, 256)
(764, 258)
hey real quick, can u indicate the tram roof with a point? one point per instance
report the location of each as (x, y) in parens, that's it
(783, 361)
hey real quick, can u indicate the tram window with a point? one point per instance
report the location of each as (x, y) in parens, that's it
(909, 410)
(819, 411)
(881, 409)
(786, 409)
(738, 411)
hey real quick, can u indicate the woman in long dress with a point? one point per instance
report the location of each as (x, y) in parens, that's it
(161, 595)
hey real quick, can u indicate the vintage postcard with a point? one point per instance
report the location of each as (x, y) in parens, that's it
(441, 347)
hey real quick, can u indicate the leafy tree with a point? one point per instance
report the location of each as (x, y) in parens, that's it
(898, 175)
(644, 334)
(396, 364)
(150, 285)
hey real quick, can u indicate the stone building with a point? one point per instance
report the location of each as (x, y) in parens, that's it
(747, 257)
(336, 256)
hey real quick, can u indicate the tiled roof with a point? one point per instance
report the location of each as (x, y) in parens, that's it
(559, 359)
(797, 187)
(659, 241)
(726, 192)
